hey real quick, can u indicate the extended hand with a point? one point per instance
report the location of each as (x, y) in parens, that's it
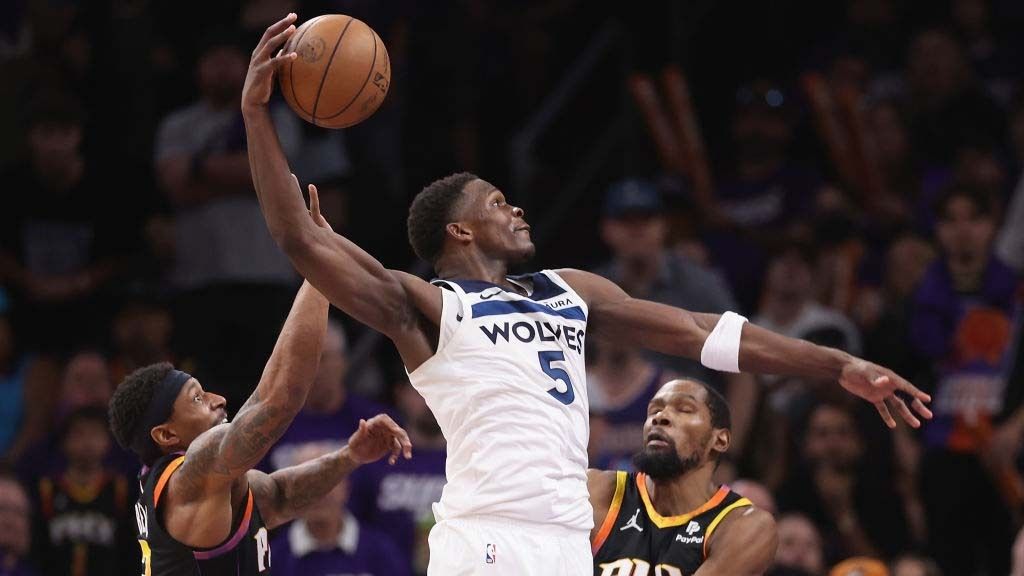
(376, 437)
(879, 385)
(259, 80)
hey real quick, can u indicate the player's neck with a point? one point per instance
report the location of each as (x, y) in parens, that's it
(684, 494)
(469, 265)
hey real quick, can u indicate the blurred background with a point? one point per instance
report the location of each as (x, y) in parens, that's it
(848, 172)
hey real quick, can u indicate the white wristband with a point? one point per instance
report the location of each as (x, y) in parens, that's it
(721, 350)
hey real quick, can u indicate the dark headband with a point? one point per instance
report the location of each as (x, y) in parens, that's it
(161, 404)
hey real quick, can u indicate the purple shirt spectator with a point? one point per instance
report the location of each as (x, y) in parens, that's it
(398, 499)
(968, 336)
(359, 551)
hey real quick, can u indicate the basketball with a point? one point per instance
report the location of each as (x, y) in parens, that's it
(342, 72)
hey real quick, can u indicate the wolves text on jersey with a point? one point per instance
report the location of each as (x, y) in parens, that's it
(534, 331)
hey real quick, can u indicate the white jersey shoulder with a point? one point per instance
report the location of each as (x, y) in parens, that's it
(508, 388)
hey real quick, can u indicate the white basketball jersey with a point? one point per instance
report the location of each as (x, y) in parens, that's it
(508, 388)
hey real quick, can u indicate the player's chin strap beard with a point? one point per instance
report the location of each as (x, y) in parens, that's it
(161, 404)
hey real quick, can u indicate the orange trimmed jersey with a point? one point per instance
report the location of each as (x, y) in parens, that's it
(246, 552)
(634, 540)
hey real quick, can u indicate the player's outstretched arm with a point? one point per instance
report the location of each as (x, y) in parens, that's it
(617, 316)
(391, 302)
(283, 495)
(216, 458)
(744, 544)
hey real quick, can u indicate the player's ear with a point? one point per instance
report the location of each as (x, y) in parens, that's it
(164, 435)
(721, 438)
(459, 232)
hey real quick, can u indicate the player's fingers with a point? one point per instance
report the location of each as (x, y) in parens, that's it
(883, 411)
(405, 442)
(920, 408)
(273, 30)
(314, 200)
(283, 58)
(275, 42)
(904, 412)
(396, 450)
(914, 391)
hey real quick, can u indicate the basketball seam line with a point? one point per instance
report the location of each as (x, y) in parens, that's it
(295, 96)
(373, 65)
(327, 68)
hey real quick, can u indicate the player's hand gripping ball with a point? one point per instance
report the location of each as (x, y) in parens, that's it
(341, 73)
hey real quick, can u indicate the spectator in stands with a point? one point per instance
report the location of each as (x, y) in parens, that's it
(948, 108)
(331, 414)
(962, 323)
(84, 514)
(788, 305)
(398, 499)
(15, 528)
(60, 243)
(328, 539)
(757, 493)
(635, 229)
(86, 382)
(141, 333)
(765, 190)
(800, 546)
(226, 265)
(856, 511)
(28, 382)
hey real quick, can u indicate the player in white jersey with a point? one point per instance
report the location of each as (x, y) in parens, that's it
(499, 359)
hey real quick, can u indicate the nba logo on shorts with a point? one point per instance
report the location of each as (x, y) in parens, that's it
(490, 554)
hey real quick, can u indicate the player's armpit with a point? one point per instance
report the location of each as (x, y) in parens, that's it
(744, 544)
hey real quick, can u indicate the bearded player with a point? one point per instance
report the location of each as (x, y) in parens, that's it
(202, 509)
(668, 518)
(499, 358)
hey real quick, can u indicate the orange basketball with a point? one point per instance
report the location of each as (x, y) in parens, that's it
(342, 72)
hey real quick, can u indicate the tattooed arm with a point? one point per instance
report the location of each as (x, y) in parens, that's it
(282, 495)
(201, 492)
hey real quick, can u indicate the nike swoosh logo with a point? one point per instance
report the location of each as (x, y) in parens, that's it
(491, 295)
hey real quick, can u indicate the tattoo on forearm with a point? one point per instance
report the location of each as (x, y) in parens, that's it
(306, 484)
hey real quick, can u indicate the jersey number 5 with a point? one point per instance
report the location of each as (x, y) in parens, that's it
(560, 376)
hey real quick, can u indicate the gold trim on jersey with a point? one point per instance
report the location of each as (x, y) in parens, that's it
(721, 516)
(613, 511)
(672, 521)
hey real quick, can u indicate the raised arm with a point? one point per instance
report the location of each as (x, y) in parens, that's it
(391, 302)
(744, 544)
(221, 455)
(283, 495)
(669, 330)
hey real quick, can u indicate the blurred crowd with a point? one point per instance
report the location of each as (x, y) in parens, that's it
(867, 194)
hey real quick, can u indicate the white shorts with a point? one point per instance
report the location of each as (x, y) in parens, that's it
(486, 547)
